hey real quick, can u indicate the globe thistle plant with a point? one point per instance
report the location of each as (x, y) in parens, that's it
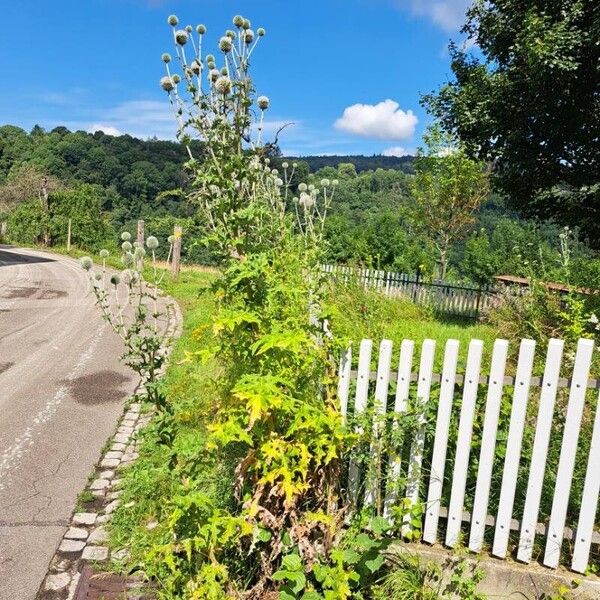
(223, 110)
(133, 308)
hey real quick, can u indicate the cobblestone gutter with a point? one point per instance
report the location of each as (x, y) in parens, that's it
(85, 540)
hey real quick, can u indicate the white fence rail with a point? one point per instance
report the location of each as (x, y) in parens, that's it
(444, 296)
(526, 504)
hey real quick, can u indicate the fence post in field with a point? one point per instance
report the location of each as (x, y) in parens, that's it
(69, 236)
(176, 262)
(141, 235)
(568, 450)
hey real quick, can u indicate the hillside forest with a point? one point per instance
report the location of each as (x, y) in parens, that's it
(104, 184)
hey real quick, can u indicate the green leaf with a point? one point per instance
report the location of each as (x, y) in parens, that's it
(292, 562)
(375, 563)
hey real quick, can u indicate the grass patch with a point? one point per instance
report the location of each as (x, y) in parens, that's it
(190, 389)
(356, 314)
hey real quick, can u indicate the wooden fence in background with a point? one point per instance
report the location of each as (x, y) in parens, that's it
(445, 297)
(429, 477)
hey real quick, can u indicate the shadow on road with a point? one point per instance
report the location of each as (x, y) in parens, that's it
(9, 257)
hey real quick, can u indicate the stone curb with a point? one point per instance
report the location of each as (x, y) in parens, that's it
(85, 539)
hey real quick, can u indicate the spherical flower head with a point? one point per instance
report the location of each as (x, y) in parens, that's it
(86, 263)
(210, 58)
(238, 20)
(325, 182)
(274, 172)
(176, 79)
(152, 243)
(196, 67)
(127, 259)
(214, 75)
(249, 36)
(223, 85)
(171, 239)
(246, 24)
(263, 102)
(284, 165)
(126, 246)
(139, 253)
(302, 187)
(224, 71)
(260, 32)
(279, 182)
(267, 160)
(225, 44)
(211, 65)
(167, 83)
(201, 29)
(115, 279)
(104, 253)
(173, 20)
(294, 165)
(335, 182)
(306, 200)
(181, 37)
(126, 236)
(311, 187)
(166, 58)
(189, 28)
(137, 244)
(230, 34)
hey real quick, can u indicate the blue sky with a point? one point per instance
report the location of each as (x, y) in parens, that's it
(348, 73)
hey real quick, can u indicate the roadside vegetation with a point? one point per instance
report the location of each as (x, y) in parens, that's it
(242, 488)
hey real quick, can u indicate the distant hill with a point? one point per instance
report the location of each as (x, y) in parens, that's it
(361, 162)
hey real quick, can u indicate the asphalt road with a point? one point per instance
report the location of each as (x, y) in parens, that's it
(61, 392)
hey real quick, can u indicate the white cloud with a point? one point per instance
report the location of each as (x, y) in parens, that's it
(447, 14)
(383, 121)
(396, 151)
(107, 129)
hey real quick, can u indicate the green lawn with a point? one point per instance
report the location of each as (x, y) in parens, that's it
(356, 314)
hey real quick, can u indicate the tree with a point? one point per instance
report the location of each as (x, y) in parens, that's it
(449, 188)
(531, 105)
(25, 183)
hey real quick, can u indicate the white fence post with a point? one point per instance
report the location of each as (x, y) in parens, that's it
(488, 445)
(566, 463)
(440, 447)
(402, 391)
(463, 443)
(344, 381)
(360, 404)
(416, 452)
(382, 386)
(589, 501)
(514, 443)
(541, 441)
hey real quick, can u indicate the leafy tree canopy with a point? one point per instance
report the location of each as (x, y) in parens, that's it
(531, 104)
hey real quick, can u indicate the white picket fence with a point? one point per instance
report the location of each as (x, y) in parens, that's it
(427, 487)
(444, 296)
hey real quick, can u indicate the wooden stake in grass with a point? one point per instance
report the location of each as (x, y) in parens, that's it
(69, 236)
(176, 263)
